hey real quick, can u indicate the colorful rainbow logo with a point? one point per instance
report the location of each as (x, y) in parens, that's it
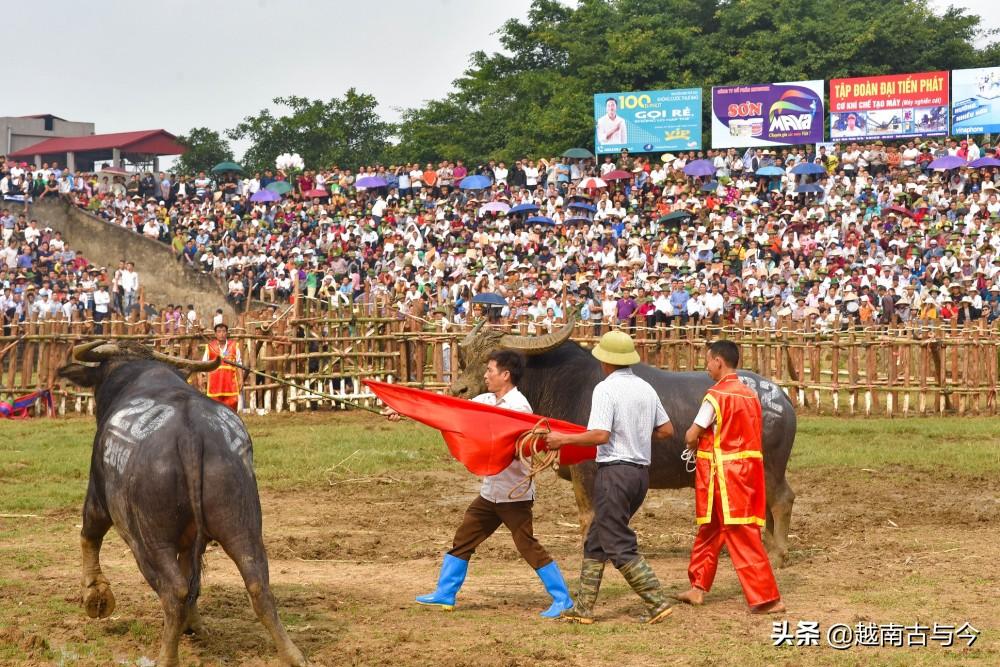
(793, 101)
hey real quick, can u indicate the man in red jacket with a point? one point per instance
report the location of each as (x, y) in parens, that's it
(224, 381)
(729, 486)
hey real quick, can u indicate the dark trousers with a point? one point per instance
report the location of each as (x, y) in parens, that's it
(483, 517)
(618, 493)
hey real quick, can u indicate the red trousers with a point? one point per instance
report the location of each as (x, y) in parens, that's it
(746, 550)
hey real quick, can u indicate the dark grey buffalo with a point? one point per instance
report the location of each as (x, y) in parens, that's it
(170, 470)
(559, 379)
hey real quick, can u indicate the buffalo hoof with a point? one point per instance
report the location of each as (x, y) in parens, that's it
(194, 626)
(293, 656)
(98, 600)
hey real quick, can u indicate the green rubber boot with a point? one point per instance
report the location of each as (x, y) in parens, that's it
(642, 579)
(582, 610)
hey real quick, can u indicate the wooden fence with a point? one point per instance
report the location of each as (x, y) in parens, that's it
(915, 370)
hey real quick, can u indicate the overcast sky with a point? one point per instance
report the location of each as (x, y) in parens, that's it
(179, 64)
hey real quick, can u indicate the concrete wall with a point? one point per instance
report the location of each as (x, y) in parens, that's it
(163, 279)
(18, 132)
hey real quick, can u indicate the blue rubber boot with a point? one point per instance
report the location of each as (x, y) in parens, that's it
(452, 577)
(555, 585)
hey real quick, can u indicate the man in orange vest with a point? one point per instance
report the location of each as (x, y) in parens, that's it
(729, 486)
(224, 381)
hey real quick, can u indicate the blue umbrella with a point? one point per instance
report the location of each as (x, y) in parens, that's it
(265, 195)
(710, 186)
(582, 206)
(985, 162)
(540, 220)
(770, 171)
(699, 168)
(809, 168)
(489, 299)
(474, 183)
(370, 182)
(524, 208)
(577, 218)
(809, 187)
(948, 162)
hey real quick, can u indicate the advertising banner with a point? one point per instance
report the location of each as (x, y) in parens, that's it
(975, 107)
(767, 114)
(648, 121)
(895, 106)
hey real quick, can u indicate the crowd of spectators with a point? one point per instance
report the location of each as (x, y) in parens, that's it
(884, 240)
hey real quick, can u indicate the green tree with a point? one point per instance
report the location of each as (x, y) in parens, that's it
(205, 149)
(536, 97)
(346, 131)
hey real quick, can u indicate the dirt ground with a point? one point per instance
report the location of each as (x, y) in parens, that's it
(891, 546)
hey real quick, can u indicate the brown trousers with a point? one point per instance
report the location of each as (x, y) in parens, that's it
(483, 517)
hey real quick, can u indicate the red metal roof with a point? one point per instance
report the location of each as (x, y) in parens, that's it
(148, 142)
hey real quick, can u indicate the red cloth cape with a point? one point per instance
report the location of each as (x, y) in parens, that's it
(481, 437)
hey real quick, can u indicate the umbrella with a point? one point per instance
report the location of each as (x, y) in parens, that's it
(489, 299)
(985, 162)
(699, 168)
(540, 220)
(578, 154)
(809, 187)
(618, 175)
(223, 167)
(711, 185)
(675, 217)
(807, 168)
(495, 207)
(667, 157)
(281, 187)
(316, 192)
(770, 171)
(524, 208)
(370, 182)
(265, 195)
(114, 170)
(577, 218)
(592, 182)
(581, 205)
(898, 210)
(474, 183)
(948, 162)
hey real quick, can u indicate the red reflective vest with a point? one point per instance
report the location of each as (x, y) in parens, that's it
(730, 456)
(224, 380)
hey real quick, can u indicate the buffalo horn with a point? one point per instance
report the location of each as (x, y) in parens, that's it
(195, 366)
(472, 334)
(538, 344)
(95, 351)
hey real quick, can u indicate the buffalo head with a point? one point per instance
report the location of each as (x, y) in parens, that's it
(475, 349)
(90, 363)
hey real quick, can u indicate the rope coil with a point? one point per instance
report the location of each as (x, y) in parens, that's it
(529, 450)
(689, 456)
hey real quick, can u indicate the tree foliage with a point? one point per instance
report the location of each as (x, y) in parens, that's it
(346, 132)
(536, 97)
(205, 149)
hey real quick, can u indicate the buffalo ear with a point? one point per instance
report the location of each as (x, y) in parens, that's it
(80, 375)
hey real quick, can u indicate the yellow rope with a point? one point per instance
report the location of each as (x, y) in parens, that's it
(529, 450)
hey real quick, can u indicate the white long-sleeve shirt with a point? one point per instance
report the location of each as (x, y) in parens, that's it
(497, 488)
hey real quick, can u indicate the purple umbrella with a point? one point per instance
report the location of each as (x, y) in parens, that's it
(948, 162)
(495, 207)
(699, 168)
(370, 182)
(265, 195)
(985, 162)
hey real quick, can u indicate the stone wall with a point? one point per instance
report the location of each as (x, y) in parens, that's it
(163, 279)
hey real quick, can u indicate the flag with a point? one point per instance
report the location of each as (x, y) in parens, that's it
(19, 408)
(481, 437)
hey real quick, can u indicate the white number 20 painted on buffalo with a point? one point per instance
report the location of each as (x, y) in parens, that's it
(149, 417)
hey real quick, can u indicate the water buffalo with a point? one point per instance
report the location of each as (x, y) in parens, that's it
(559, 380)
(170, 470)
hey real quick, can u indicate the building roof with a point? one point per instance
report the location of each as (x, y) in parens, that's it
(146, 142)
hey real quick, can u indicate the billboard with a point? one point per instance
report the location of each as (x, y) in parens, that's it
(767, 114)
(975, 106)
(895, 106)
(648, 121)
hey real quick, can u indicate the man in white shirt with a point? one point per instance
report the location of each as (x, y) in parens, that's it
(129, 282)
(495, 504)
(611, 128)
